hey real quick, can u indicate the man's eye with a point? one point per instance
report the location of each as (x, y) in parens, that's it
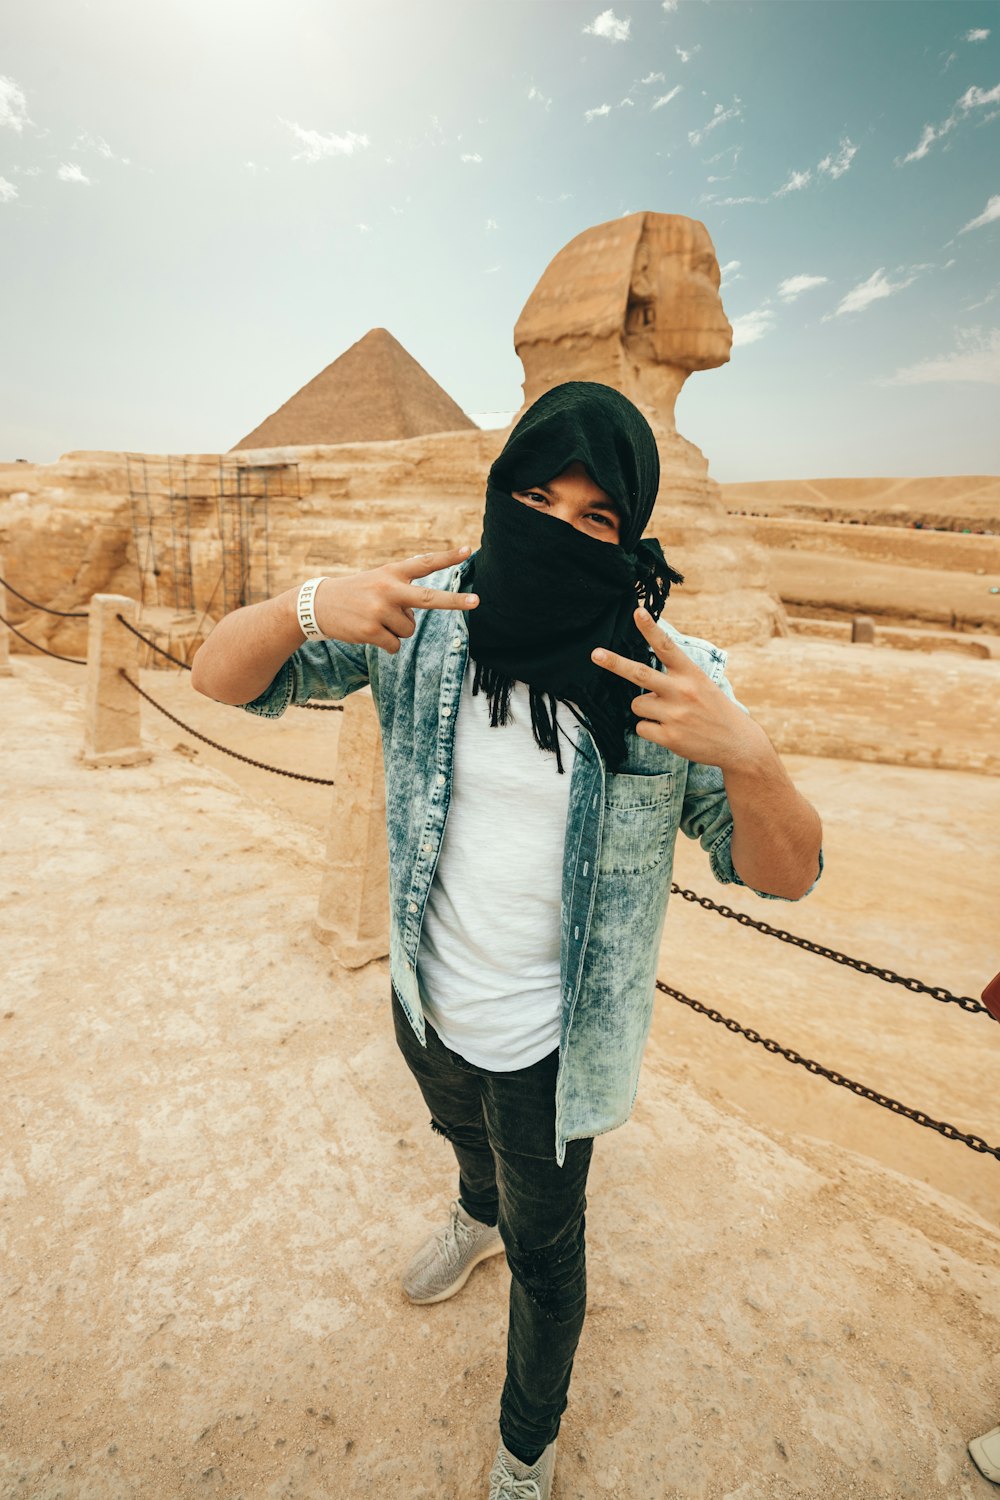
(604, 520)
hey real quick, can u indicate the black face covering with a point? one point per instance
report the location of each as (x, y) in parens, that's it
(549, 593)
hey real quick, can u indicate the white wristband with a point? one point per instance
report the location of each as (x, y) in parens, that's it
(306, 611)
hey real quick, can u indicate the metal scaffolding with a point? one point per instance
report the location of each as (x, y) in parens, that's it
(163, 498)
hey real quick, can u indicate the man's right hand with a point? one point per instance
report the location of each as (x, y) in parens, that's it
(246, 647)
(376, 608)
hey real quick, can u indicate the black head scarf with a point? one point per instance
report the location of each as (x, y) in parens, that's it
(548, 593)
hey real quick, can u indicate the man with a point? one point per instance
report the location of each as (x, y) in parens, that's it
(532, 804)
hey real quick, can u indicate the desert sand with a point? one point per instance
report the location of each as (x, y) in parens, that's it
(216, 1164)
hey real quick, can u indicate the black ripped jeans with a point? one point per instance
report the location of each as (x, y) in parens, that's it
(502, 1129)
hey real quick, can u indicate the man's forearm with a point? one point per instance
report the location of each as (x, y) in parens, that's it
(245, 649)
(777, 834)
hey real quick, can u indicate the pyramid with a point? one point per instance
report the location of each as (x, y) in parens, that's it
(374, 391)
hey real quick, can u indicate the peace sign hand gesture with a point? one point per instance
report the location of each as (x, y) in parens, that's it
(376, 608)
(682, 708)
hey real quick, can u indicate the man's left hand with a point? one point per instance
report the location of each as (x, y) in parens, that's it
(682, 708)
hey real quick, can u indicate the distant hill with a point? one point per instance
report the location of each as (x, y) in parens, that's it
(951, 501)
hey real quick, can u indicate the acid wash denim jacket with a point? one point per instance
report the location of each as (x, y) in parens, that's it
(619, 847)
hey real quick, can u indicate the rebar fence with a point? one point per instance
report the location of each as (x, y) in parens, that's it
(863, 966)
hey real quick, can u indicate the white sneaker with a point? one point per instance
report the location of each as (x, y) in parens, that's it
(510, 1479)
(985, 1452)
(444, 1263)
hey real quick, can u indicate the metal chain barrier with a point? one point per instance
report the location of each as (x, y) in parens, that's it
(951, 1132)
(966, 1002)
(175, 659)
(331, 707)
(68, 614)
(278, 771)
(76, 660)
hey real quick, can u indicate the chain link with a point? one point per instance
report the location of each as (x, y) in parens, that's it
(175, 659)
(965, 1002)
(76, 660)
(951, 1132)
(67, 614)
(278, 771)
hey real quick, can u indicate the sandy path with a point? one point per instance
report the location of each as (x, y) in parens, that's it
(214, 1163)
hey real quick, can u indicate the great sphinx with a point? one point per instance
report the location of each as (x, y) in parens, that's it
(635, 303)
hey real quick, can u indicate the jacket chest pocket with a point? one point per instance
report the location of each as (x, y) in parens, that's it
(637, 822)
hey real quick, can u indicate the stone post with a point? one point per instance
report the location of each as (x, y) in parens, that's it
(111, 733)
(6, 601)
(353, 914)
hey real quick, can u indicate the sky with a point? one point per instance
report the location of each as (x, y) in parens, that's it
(205, 202)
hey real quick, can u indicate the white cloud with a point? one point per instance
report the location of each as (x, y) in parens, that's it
(752, 325)
(973, 98)
(730, 272)
(534, 93)
(669, 4)
(838, 165)
(977, 35)
(626, 100)
(971, 306)
(687, 56)
(70, 172)
(652, 78)
(470, 156)
(318, 146)
(609, 26)
(726, 178)
(593, 114)
(723, 202)
(866, 292)
(719, 117)
(927, 139)
(666, 98)
(365, 228)
(87, 142)
(8, 192)
(989, 215)
(794, 286)
(796, 181)
(13, 105)
(976, 359)
(491, 223)
(490, 269)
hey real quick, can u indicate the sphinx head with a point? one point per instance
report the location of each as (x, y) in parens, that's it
(674, 314)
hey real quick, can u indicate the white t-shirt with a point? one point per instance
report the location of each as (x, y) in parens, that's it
(488, 962)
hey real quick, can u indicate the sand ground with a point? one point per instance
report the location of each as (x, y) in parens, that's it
(215, 1163)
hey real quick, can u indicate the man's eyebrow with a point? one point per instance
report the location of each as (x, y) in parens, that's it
(611, 506)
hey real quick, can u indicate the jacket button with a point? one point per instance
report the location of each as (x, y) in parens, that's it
(413, 906)
(446, 713)
(441, 780)
(428, 848)
(456, 644)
